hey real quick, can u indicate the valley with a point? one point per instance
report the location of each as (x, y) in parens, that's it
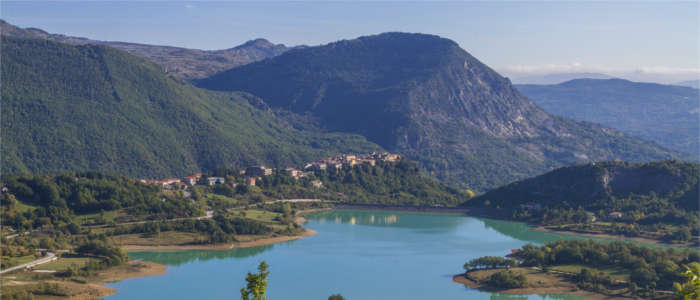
(373, 166)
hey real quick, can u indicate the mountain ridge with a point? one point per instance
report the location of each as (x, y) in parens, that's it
(425, 97)
(182, 62)
(556, 78)
(666, 114)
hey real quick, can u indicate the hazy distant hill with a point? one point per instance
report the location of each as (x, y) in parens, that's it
(556, 78)
(67, 108)
(425, 97)
(666, 114)
(690, 83)
(182, 62)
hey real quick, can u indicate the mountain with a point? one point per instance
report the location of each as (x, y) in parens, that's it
(690, 83)
(584, 185)
(181, 62)
(665, 114)
(428, 99)
(71, 108)
(664, 192)
(556, 78)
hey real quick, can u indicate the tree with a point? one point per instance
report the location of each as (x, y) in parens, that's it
(470, 193)
(257, 284)
(336, 297)
(690, 289)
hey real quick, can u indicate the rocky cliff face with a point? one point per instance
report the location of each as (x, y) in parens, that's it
(425, 97)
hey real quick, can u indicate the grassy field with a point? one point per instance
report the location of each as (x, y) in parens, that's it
(66, 261)
(11, 262)
(98, 218)
(164, 238)
(615, 273)
(261, 215)
(219, 200)
(23, 207)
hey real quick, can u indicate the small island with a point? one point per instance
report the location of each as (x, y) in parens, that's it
(598, 270)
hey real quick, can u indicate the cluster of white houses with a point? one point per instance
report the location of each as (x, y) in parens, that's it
(349, 160)
(252, 173)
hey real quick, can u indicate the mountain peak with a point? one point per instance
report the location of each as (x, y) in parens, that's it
(425, 97)
(258, 43)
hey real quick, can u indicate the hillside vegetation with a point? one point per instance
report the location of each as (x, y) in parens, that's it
(607, 269)
(426, 98)
(666, 114)
(388, 183)
(660, 198)
(72, 108)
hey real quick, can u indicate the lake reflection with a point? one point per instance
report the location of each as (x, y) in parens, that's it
(362, 255)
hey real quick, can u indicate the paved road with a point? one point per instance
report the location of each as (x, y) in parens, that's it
(12, 236)
(50, 256)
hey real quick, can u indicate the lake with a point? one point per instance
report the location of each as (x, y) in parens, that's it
(363, 255)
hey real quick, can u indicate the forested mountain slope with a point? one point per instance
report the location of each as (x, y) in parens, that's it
(657, 197)
(68, 108)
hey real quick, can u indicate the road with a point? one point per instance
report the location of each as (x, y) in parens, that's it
(50, 256)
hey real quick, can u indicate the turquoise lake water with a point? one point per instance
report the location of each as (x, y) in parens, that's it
(363, 255)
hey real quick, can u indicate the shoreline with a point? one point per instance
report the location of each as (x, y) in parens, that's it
(641, 240)
(403, 208)
(96, 287)
(116, 274)
(222, 247)
(567, 288)
(242, 244)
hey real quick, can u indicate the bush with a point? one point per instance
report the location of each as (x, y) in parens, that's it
(507, 280)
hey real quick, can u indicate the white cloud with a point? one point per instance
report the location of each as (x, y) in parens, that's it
(188, 6)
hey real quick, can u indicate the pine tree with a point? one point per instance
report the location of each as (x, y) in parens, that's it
(257, 284)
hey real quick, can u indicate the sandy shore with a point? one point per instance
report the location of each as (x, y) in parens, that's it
(554, 285)
(95, 288)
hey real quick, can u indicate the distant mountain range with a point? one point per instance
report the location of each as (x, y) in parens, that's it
(182, 62)
(425, 97)
(667, 114)
(92, 107)
(556, 78)
(690, 83)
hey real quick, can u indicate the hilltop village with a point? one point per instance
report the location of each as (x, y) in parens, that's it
(254, 173)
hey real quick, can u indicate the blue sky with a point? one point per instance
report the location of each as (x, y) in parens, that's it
(658, 39)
